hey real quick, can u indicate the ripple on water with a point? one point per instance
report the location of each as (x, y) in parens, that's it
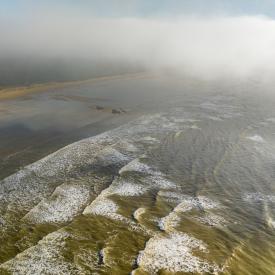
(258, 197)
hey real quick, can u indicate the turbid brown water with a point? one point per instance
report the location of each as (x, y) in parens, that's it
(183, 182)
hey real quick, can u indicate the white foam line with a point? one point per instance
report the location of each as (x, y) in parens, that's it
(128, 189)
(106, 207)
(152, 177)
(64, 204)
(258, 197)
(110, 156)
(138, 213)
(256, 138)
(211, 220)
(136, 166)
(187, 203)
(173, 253)
(159, 181)
(171, 197)
(43, 258)
(171, 221)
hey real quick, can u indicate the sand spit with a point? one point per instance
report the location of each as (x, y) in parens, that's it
(14, 92)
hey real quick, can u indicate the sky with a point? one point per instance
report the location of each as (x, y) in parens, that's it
(143, 8)
(207, 38)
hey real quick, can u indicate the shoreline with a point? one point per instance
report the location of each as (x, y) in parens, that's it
(15, 92)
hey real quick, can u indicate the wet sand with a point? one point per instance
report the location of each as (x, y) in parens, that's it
(15, 92)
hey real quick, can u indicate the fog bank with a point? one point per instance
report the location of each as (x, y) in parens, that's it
(80, 46)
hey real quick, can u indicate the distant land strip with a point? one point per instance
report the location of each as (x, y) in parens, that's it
(14, 92)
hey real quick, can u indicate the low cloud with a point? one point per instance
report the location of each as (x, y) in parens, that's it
(205, 47)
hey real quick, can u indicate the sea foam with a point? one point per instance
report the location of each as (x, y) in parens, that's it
(174, 253)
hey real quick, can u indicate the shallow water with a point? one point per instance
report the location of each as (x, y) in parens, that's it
(184, 186)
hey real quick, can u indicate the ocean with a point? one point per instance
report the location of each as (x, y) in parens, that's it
(179, 180)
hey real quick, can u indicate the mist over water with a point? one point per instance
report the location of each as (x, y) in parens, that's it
(52, 46)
